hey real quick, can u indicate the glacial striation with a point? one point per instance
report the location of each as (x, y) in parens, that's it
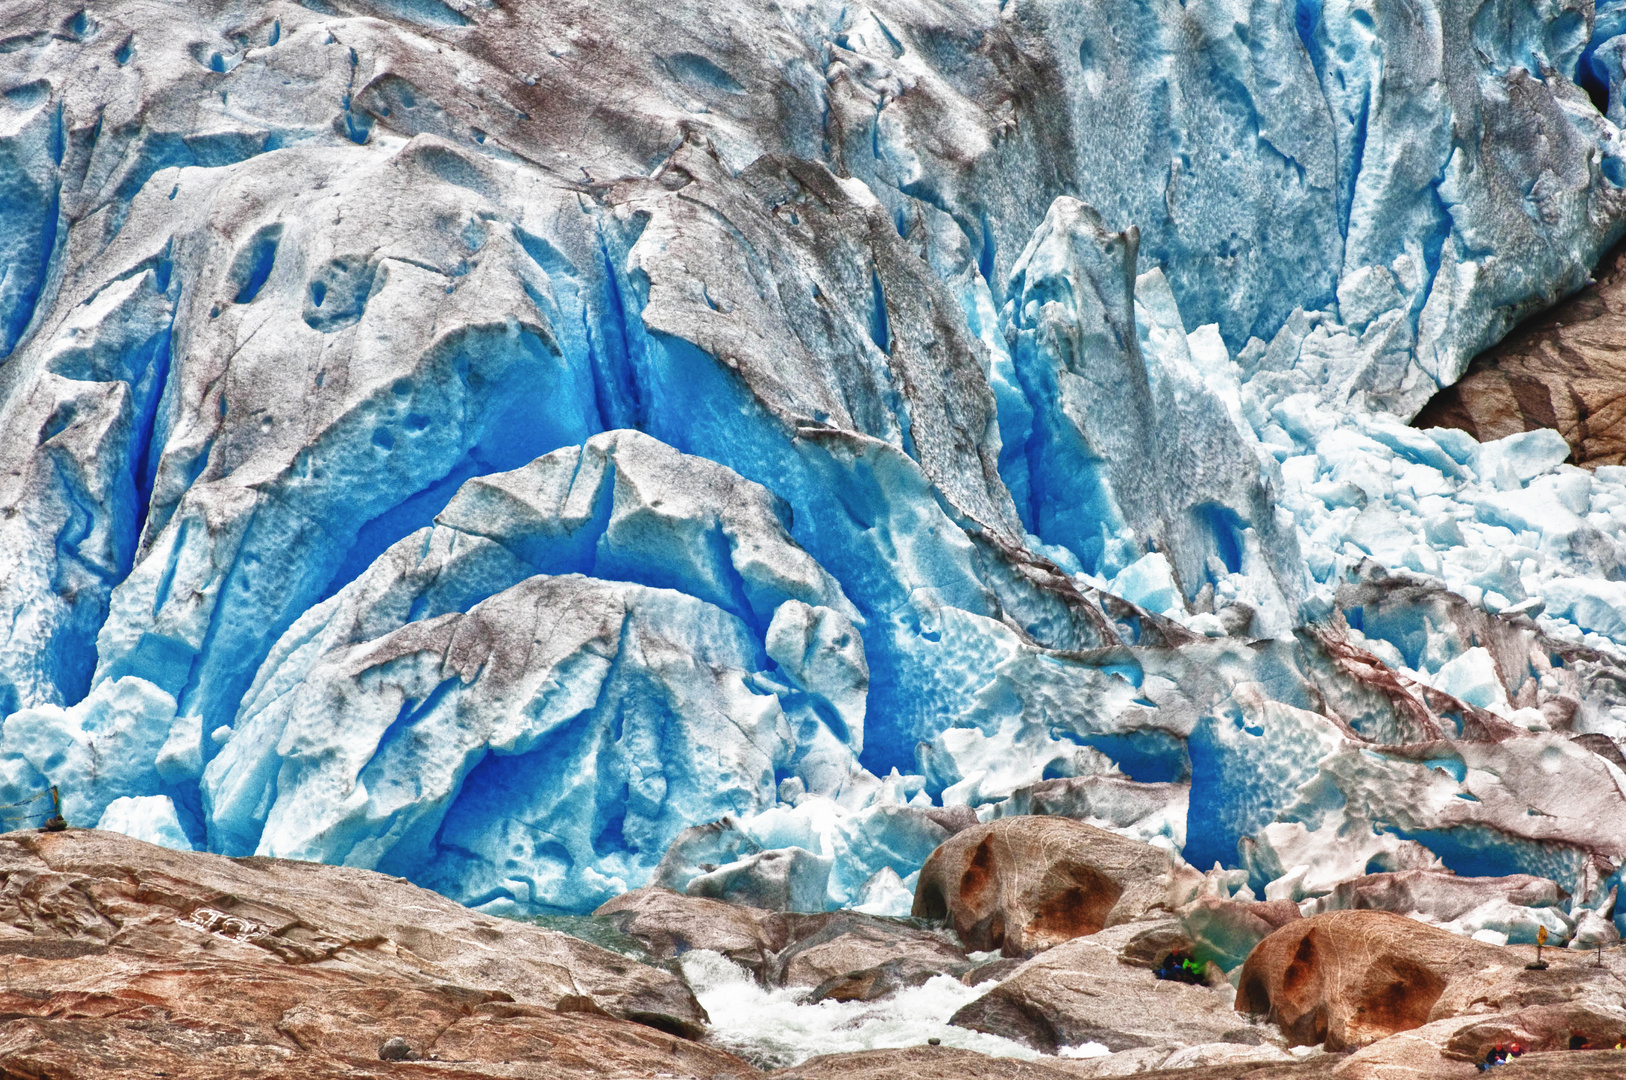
(547, 450)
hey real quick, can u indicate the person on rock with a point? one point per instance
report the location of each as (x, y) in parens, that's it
(1181, 966)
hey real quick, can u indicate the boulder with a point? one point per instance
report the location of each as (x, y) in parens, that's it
(1565, 1065)
(1023, 884)
(1151, 946)
(793, 879)
(1086, 991)
(1417, 1054)
(1455, 1046)
(833, 946)
(950, 1063)
(1510, 986)
(669, 924)
(882, 980)
(845, 955)
(1349, 978)
(127, 959)
(1213, 1059)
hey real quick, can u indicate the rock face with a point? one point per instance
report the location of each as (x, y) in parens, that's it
(1024, 884)
(843, 945)
(1562, 369)
(123, 957)
(916, 1061)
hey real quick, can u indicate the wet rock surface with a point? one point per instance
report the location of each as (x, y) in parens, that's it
(845, 955)
(123, 959)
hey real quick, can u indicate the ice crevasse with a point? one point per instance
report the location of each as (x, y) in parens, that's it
(541, 452)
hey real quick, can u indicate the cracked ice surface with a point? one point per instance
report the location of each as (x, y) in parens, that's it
(546, 451)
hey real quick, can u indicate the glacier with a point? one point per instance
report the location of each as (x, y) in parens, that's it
(544, 450)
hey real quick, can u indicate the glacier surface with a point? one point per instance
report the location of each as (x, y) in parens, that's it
(545, 449)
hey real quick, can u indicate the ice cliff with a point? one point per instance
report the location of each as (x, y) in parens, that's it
(541, 449)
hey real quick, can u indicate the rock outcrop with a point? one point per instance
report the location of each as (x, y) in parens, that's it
(123, 958)
(1563, 369)
(1023, 884)
(849, 956)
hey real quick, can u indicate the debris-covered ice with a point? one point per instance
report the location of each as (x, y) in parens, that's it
(570, 446)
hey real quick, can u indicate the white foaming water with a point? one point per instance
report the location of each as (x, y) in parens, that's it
(773, 1029)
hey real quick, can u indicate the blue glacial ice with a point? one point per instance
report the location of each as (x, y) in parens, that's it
(580, 448)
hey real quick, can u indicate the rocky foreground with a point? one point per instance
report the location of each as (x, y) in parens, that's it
(122, 959)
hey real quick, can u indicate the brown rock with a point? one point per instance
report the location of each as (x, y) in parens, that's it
(1563, 369)
(1417, 1054)
(1022, 884)
(1203, 1060)
(669, 924)
(832, 945)
(1151, 946)
(84, 888)
(1084, 991)
(947, 1063)
(1566, 1065)
(1352, 977)
(1454, 1047)
(882, 980)
(1540, 1028)
(915, 1062)
(1510, 986)
(125, 959)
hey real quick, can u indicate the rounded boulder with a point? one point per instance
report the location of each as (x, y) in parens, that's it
(1023, 884)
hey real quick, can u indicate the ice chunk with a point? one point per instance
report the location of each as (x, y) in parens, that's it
(788, 879)
(1149, 582)
(1517, 459)
(1472, 677)
(102, 749)
(885, 894)
(146, 817)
